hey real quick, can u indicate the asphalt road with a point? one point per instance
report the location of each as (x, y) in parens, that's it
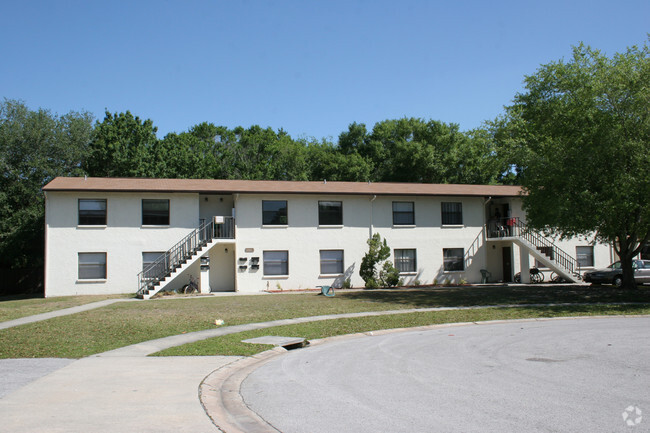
(545, 376)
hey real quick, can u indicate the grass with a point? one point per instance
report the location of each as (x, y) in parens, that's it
(232, 345)
(12, 308)
(122, 324)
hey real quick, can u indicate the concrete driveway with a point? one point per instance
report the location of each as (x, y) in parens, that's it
(573, 375)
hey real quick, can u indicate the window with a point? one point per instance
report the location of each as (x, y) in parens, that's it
(274, 213)
(405, 260)
(585, 256)
(276, 262)
(155, 212)
(645, 252)
(452, 214)
(148, 259)
(453, 259)
(403, 213)
(92, 266)
(546, 251)
(330, 213)
(331, 261)
(92, 212)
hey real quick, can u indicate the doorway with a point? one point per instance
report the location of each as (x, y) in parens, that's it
(507, 264)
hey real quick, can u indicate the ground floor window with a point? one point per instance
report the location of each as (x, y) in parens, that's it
(645, 252)
(453, 259)
(331, 261)
(148, 260)
(405, 260)
(276, 262)
(585, 255)
(92, 266)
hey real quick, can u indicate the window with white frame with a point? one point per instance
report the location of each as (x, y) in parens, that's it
(452, 213)
(92, 212)
(274, 213)
(92, 266)
(585, 255)
(153, 264)
(405, 260)
(276, 263)
(155, 212)
(453, 259)
(403, 213)
(331, 262)
(330, 213)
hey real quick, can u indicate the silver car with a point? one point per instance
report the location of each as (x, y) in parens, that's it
(613, 274)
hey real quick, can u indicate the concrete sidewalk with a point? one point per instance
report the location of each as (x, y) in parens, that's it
(107, 395)
(59, 313)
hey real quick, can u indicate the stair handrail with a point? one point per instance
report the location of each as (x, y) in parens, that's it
(172, 258)
(560, 257)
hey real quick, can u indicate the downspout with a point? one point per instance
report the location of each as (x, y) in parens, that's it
(371, 212)
(45, 254)
(235, 198)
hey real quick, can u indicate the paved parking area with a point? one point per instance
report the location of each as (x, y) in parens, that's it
(572, 375)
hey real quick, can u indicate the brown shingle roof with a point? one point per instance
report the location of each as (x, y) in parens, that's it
(274, 187)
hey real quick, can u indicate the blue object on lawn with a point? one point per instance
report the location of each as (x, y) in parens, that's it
(327, 291)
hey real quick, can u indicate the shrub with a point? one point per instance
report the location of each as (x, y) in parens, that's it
(378, 251)
(389, 275)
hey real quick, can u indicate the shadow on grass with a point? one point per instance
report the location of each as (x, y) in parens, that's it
(495, 295)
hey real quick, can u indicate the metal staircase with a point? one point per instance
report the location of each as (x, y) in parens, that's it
(539, 246)
(171, 263)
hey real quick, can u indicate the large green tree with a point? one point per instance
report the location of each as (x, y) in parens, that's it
(35, 147)
(579, 136)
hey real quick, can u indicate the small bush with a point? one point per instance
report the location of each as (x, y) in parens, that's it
(347, 284)
(389, 275)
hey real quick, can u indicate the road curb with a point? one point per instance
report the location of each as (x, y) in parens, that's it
(220, 391)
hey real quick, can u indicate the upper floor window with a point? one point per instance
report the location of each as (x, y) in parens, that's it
(585, 255)
(403, 213)
(452, 214)
(274, 213)
(453, 259)
(92, 266)
(405, 260)
(330, 213)
(331, 261)
(92, 212)
(155, 212)
(276, 262)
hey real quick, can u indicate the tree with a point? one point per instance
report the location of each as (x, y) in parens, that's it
(122, 146)
(35, 147)
(378, 251)
(579, 136)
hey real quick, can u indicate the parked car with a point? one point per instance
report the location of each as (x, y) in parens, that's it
(613, 274)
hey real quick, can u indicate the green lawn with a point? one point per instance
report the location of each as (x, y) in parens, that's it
(11, 308)
(232, 345)
(123, 324)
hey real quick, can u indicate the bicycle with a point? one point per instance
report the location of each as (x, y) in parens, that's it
(191, 287)
(555, 278)
(535, 276)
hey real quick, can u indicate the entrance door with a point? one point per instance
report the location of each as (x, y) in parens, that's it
(507, 264)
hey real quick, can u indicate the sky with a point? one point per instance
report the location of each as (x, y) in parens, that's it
(308, 67)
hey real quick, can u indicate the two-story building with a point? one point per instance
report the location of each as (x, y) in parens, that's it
(121, 235)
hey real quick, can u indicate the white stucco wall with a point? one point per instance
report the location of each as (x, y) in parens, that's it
(303, 239)
(123, 239)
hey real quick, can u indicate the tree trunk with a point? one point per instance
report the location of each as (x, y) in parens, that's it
(626, 253)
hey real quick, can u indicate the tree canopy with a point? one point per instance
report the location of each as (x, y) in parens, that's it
(579, 139)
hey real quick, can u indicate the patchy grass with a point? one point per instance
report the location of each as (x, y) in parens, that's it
(232, 345)
(12, 308)
(123, 324)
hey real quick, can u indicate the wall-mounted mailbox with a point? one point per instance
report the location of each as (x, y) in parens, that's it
(255, 267)
(242, 259)
(243, 267)
(255, 260)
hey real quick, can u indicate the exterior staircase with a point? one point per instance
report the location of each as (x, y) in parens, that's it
(173, 262)
(539, 247)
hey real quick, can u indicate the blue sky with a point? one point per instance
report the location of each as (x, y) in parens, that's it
(309, 67)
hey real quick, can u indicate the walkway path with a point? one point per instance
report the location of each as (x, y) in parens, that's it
(59, 313)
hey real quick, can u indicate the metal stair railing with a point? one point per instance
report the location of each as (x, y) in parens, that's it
(513, 226)
(180, 253)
